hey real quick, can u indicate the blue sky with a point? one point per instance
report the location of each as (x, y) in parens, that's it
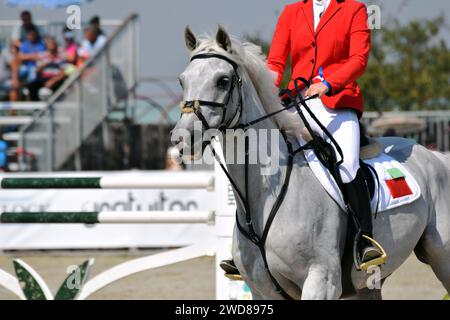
(163, 21)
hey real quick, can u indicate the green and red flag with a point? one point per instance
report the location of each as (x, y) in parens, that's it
(398, 186)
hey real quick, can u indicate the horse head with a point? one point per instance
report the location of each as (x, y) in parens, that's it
(212, 91)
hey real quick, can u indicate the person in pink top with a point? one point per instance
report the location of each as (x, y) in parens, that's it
(71, 47)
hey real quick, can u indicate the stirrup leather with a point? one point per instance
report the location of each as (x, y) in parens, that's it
(377, 261)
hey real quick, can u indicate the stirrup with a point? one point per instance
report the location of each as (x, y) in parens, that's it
(231, 272)
(377, 261)
(233, 276)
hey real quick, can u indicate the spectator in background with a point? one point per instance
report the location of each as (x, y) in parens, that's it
(70, 53)
(9, 70)
(49, 69)
(2, 63)
(24, 65)
(95, 22)
(5, 71)
(93, 42)
(431, 143)
(3, 156)
(19, 33)
(173, 160)
(390, 132)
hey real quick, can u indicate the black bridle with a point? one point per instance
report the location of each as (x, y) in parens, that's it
(194, 106)
(234, 123)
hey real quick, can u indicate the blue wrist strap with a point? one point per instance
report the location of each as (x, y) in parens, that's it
(325, 82)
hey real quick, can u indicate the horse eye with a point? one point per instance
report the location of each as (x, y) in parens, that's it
(181, 83)
(223, 82)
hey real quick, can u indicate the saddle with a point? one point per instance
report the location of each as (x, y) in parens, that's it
(369, 148)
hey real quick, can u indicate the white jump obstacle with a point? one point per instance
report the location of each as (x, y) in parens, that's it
(109, 182)
(109, 217)
(222, 219)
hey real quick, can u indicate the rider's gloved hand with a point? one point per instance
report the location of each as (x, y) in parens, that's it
(318, 89)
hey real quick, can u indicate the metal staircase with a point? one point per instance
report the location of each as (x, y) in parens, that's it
(83, 102)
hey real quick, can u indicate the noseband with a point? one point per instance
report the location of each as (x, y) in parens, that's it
(194, 106)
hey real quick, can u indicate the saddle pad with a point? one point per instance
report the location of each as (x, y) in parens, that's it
(397, 187)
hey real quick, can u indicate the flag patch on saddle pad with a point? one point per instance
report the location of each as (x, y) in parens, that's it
(397, 185)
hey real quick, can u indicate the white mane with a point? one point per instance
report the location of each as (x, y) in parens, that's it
(251, 57)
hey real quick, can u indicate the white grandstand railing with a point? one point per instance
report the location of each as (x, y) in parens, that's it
(21, 106)
(15, 120)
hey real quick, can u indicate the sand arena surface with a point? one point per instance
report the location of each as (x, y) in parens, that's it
(193, 279)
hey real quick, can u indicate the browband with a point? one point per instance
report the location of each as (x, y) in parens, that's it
(215, 55)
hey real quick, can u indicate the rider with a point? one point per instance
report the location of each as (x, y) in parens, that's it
(329, 44)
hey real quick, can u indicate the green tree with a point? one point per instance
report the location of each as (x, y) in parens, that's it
(409, 67)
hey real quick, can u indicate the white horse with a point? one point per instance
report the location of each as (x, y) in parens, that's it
(305, 244)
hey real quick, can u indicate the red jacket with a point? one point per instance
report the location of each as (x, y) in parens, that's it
(340, 45)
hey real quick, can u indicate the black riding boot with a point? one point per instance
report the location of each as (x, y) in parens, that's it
(359, 200)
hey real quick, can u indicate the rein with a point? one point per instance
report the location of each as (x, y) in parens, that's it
(233, 123)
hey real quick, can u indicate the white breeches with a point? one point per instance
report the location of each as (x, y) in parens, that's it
(343, 124)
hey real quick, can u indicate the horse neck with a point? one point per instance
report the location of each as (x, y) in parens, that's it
(261, 187)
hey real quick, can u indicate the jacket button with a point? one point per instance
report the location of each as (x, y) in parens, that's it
(313, 44)
(312, 61)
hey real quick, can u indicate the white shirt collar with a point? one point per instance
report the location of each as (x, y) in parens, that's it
(321, 3)
(319, 7)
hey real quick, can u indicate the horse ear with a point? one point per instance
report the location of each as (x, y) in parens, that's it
(223, 39)
(191, 40)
